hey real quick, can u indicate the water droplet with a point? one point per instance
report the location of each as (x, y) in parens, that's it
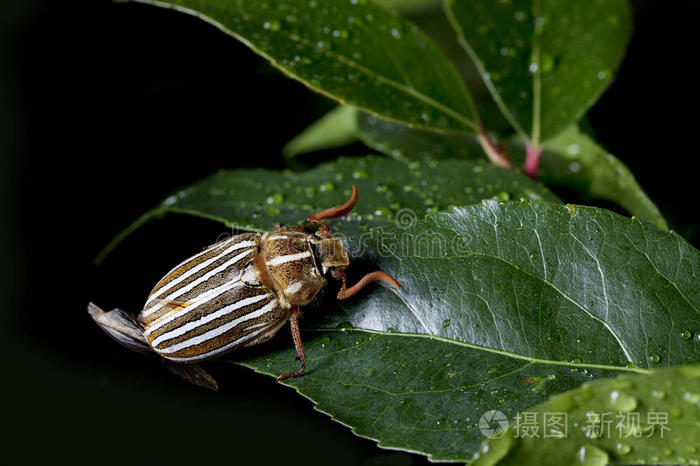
(533, 68)
(623, 448)
(390, 330)
(272, 25)
(357, 174)
(654, 358)
(589, 455)
(693, 398)
(326, 187)
(658, 394)
(621, 401)
(345, 327)
(396, 33)
(325, 341)
(276, 198)
(445, 323)
(685, 334)
(573, 149)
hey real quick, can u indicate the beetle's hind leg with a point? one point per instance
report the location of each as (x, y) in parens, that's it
(296, 336)
(122, 327)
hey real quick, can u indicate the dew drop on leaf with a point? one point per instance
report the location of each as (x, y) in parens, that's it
(445, 323)
(623, 448)
(654, 358)
(621, 401)
(589, 455)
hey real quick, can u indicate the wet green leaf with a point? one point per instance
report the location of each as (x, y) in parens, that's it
(574, 159)
(334, 129)
(354, 51)
(259, 199)
(416, 393)
(545, 61)
(410, 144)
(632, 419)
(502, 304)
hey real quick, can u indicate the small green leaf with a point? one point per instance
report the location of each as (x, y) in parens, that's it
(334, 129)
(354, 51)
(259, 199)
(574, 160)
(545, 61)
(632, 419)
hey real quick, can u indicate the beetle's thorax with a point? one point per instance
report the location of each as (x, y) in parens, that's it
(286, 263)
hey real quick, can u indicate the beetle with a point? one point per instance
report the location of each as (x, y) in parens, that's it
(237, 293)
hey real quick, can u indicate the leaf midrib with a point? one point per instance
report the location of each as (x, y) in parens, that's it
(533, 360)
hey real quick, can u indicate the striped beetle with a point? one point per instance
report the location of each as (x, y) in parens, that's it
(235, 293)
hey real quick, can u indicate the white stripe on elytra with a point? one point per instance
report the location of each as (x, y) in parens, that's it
(201, 299)
(276, 237)
(197, 268)
(180, 291)
(219, 330)
(279, 260)
(208, 318)
(219, 350)
(293, 288)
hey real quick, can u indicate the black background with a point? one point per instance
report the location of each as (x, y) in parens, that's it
(105, 109)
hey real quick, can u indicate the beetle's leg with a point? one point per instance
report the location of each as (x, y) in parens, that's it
(333, 212)
(120, 326)
(345, 293)
(294, 323)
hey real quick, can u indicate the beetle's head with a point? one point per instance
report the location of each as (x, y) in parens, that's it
(331, 254)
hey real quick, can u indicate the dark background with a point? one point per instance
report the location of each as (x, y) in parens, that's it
(105, 108)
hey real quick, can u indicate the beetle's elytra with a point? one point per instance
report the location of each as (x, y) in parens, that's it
(238, 292)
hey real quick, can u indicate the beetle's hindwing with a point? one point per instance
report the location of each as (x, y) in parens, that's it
(290, 261)
(211, 303)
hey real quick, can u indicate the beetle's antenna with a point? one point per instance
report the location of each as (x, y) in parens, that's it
(345, 293)
(334, 212)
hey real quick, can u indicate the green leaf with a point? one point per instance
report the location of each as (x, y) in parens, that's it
(259, 199)
(354, 51)
(667, 403)
(334, 129)
(413, 392)
(410, 144)
(502, 304)
(408, 6)
(545, 61)
(574, 159)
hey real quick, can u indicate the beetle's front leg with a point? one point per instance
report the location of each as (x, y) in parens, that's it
(296, 336)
